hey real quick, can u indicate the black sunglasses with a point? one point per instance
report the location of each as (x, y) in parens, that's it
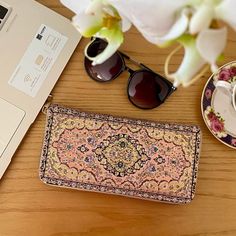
(146, 89)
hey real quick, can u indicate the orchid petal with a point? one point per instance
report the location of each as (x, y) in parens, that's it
(95, 7)
(178, 28)
(153, 39)
(126, 24)
(226, 11)
(201, 19)
(76, 6)
(195, 3)
(211, 43)
(138, 13)
(87, 25)
(191, 63)
(159, 41)
(114, 38)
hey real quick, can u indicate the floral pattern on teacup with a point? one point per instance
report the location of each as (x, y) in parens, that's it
(233, 142)
(227, 74)
(208, 94)
(215, 122)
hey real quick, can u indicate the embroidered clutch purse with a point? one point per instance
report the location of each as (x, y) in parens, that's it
(122, 156)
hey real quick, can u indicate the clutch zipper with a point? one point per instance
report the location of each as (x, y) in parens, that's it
(47, 104)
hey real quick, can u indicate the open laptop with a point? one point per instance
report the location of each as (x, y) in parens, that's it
(35, 45)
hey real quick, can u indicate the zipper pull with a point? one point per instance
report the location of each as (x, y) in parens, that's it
(47, 104)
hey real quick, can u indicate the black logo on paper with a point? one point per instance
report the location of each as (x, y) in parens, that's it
(39, 36)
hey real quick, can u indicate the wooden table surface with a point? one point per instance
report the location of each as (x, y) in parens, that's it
(29, 207)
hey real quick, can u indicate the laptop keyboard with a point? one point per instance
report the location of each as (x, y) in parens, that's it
(10, 119)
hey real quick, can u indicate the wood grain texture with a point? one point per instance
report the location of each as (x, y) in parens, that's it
(28, 207)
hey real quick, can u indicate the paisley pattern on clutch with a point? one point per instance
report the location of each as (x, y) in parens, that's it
(121, 156)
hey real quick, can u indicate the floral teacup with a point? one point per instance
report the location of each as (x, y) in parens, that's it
(229, 89)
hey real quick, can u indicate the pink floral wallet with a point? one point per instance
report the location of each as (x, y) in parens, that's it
(134, 158)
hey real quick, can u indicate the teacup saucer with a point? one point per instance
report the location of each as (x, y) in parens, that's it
(217, 109)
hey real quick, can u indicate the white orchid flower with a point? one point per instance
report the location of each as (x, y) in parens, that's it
(153, 18)
(162, 22)
(98, 18)
(209, 43)
(204, 49)
(168, 20)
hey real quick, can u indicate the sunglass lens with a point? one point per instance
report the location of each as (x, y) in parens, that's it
(106, 71)
(148, 90)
